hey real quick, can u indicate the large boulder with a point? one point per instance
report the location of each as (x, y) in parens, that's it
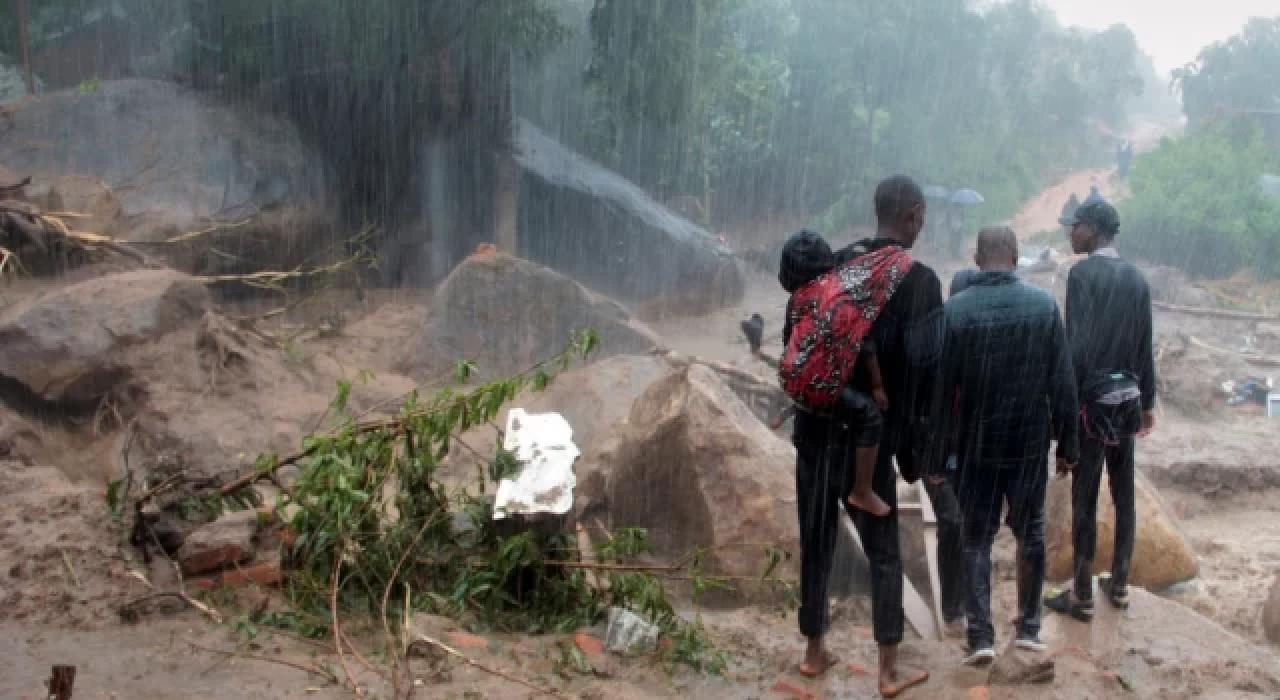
(696, 468)
(1162, 556)
(600, 228)
(68, 345)
(152, 161)
(506, 314)
(1271, 613)
(176, 151)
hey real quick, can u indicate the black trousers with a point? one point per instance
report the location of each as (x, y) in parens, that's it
(983, 493)
(1086, 482)
(951, 566)
(824, 476)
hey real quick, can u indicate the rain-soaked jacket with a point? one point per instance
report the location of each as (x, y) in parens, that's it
(1006, 352)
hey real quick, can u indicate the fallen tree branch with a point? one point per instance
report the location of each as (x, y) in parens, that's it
(305, 668)
(1249, 358)
(423, 639)
(337, 631)
(1204, 312)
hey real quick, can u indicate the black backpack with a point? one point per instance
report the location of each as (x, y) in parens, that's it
(1111, 407)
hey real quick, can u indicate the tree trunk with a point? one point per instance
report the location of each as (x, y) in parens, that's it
(506, 203)
(23, 46)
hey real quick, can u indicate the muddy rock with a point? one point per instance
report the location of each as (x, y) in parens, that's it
(1162, 556)
(66, 345)
(199, 160)
(1171, 286)
(698, 469)
(506, 314)
(1271, 614)
(86, 195)
(224, 542)
(593, 224)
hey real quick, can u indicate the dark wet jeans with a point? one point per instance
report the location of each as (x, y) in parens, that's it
(1086, 482)
(951, 566)
(824, 476)
(983, 492)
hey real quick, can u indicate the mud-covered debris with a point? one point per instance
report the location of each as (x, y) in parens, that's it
(224, 542)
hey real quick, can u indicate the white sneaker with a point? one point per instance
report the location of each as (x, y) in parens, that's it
(980, 657)
(1029, 643)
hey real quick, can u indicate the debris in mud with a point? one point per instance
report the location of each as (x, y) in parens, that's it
(223, 543)
(1271, 613)
(365, 503)
(628, 633)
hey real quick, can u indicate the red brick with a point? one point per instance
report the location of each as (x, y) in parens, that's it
(462, 640)
(588, 644)
(264, 574)
(221, 543)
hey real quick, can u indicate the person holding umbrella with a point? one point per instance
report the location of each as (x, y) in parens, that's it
(955, 218)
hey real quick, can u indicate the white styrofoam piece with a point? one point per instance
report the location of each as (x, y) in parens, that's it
(543, 444)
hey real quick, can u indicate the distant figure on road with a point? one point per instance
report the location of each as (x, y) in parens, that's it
(1124, 157)
(1005, 355)
(1069, 209)
(1094, 195)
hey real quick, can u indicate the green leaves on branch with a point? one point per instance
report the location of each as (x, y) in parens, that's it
(370, 502)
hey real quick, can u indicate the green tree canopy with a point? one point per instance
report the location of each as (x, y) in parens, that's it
(1237, 73)
(1198, 204)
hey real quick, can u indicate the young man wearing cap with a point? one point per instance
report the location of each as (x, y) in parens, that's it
(1108, 323)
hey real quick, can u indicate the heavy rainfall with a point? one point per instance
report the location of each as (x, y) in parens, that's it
(639, 349)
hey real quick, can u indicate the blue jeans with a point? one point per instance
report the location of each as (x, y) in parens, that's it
(983, 492)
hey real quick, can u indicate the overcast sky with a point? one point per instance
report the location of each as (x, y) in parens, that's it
(1172, 31)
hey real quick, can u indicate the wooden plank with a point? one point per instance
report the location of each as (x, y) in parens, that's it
(930, 532)
(914, 607)
(1205, 312)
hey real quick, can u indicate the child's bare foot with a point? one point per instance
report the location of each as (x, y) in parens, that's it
(870, 503)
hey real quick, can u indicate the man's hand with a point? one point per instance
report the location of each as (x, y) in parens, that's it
(1148, 422)
(1065, 467)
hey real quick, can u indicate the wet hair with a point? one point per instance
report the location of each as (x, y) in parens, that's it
(805, 256)
(995, 243)
(895, 196)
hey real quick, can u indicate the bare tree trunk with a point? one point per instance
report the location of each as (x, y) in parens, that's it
(506, 203)
(23, 47)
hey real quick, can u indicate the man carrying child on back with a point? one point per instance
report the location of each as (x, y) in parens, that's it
(875, 293)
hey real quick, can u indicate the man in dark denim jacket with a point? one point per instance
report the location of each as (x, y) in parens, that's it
(1006, 353)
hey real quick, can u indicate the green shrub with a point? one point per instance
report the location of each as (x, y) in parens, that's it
(1197, 203)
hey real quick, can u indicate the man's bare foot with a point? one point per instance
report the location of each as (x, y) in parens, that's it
(869, 502)
(893, 683)
(817, 662)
